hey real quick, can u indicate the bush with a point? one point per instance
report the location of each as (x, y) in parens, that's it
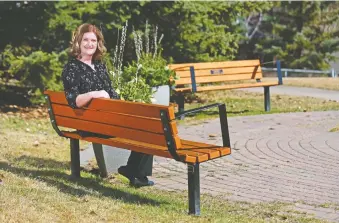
(39, 71)
(35, 71)
(134, 82)
(153, 70)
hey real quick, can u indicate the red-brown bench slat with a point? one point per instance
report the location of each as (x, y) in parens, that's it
(188, 156)
(118, 106)
(129, 121)
(224, 71)
(214, 65)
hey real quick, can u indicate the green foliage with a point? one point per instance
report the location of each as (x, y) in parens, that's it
(153, 70)
(201, 31)
(135, 90)
(23, 23)
(107, 15)
(135, 80)
(302, 34)
(39, 71)
(9, 54)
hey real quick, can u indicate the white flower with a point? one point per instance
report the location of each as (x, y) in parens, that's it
(166, 68)
(139, 66)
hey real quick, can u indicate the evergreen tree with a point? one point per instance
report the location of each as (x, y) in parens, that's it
(301, 34)
(200, 31)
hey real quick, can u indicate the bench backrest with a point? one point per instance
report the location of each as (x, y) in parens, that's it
(129, 120)
(210, 72)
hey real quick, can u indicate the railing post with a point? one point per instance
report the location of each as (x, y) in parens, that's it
(279, 72)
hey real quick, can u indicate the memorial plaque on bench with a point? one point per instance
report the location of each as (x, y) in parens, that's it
(219, 71)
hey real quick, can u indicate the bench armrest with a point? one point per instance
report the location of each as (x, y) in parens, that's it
(195, 110)
(222, 117)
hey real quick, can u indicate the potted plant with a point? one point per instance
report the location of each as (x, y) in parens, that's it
(146, 79)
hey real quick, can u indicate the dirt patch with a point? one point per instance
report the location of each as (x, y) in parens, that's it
(24, 112)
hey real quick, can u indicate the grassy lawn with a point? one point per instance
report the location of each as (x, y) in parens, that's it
(35, 185)
(241, 103)
(313, 82)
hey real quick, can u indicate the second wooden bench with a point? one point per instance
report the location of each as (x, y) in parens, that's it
(211, 76)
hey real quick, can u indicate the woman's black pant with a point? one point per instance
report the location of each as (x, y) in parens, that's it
(140, 164)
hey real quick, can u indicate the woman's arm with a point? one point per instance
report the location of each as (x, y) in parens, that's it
(83, 99)
(71, 82)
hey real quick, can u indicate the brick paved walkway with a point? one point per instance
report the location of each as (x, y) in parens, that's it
(276, 157)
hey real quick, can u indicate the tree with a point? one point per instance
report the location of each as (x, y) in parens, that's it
(302, 34)
(23, 23)
(200, 31)
(35, 35)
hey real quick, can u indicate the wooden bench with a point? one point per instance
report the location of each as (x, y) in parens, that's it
(146, 128)
(200, 77)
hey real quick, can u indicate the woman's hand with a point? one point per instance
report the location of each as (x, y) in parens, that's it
(99, 94)
(83, 99)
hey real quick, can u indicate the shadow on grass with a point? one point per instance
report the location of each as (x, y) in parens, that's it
(52, 173)
(213, 113)
(41, 163)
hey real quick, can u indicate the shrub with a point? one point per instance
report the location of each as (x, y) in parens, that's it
(134, 81)
(35, 71)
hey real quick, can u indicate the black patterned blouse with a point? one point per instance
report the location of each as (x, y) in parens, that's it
(79, 78)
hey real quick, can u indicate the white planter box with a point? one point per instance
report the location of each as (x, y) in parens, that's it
(161, 95)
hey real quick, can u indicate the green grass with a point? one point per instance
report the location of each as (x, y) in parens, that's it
(36, 187)
(327, 83)
(36, 184)
(335, 129)
(242, 103)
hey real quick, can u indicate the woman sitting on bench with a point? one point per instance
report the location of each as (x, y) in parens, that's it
(85, 77)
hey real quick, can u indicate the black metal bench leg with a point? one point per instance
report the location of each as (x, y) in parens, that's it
(181, 102)
(267, 98)
(179, 99)
(99, 155)
(75, 158)
(193, 189)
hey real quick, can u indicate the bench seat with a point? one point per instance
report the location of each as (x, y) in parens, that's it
(228, 87)
(190, 152)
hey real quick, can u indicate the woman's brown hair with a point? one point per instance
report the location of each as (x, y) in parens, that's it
(77, 37)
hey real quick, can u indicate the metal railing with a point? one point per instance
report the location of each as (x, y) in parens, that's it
(331, 73)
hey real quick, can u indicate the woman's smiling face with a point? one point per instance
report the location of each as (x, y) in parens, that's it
(89, 44)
